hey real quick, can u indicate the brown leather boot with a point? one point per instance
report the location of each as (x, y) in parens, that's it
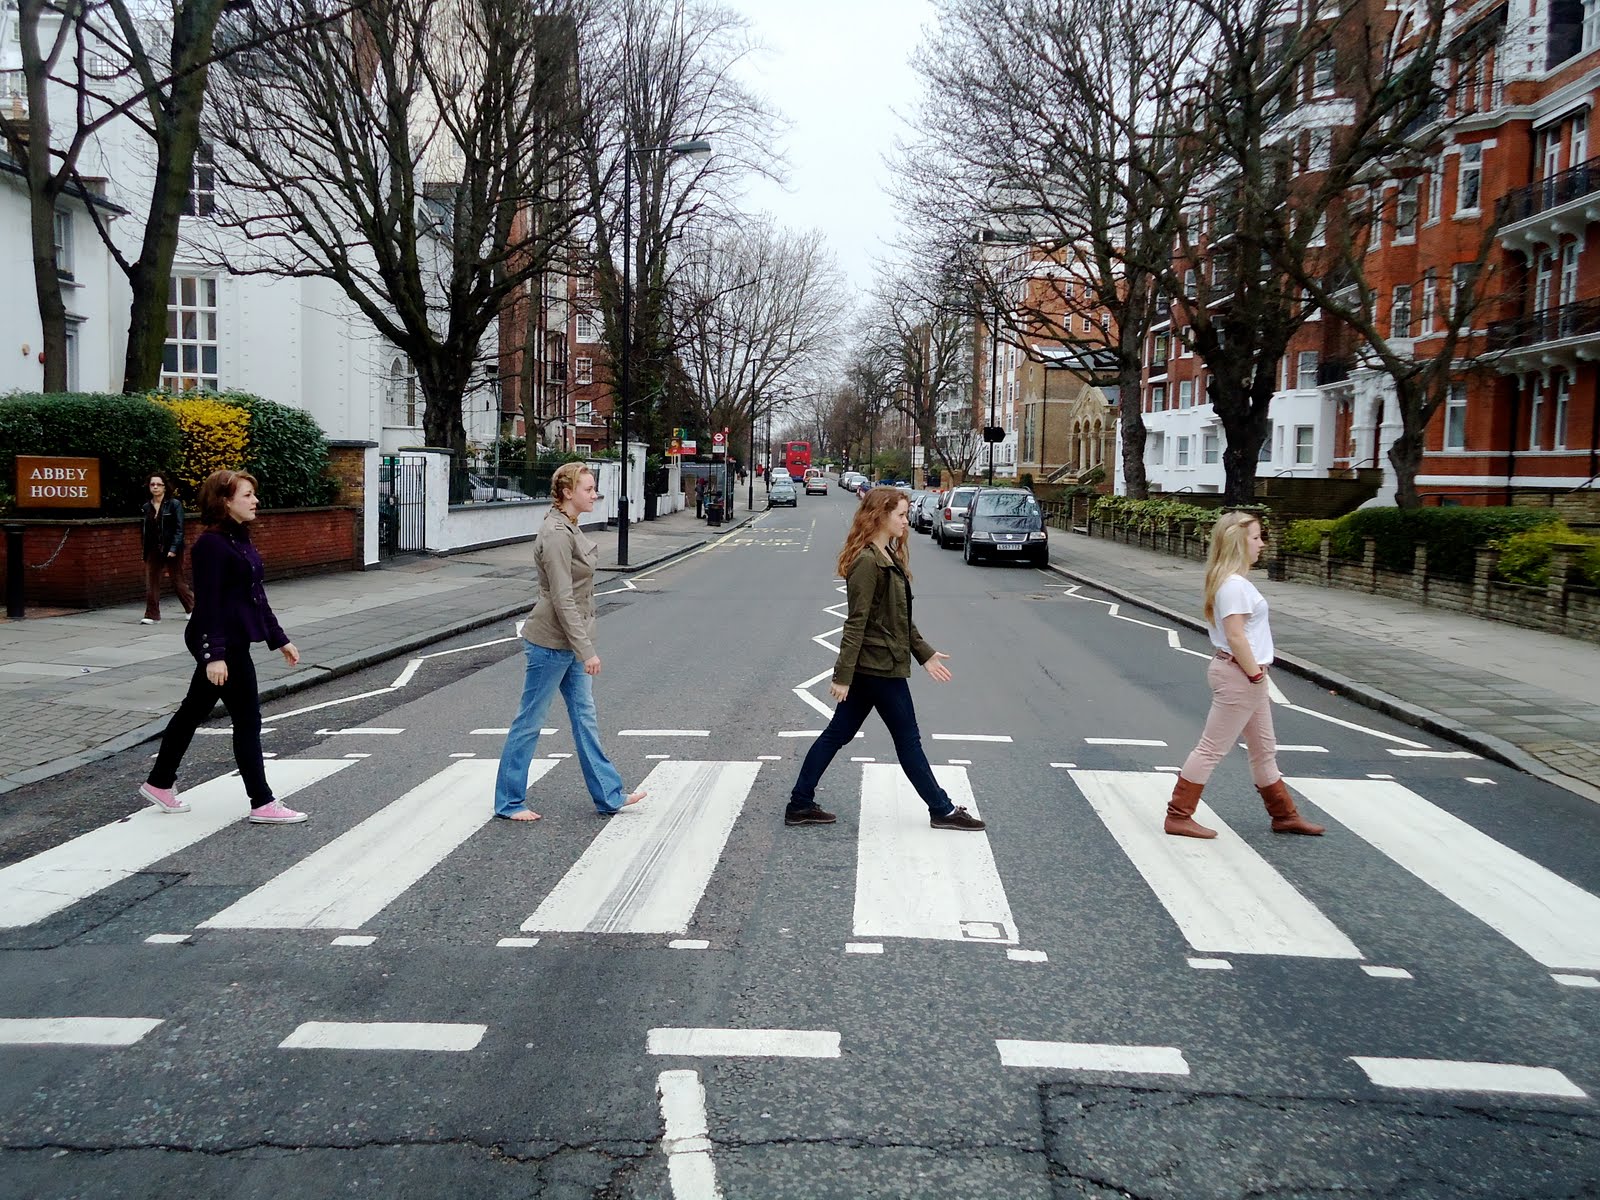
(1180, 820)
(1285, 818)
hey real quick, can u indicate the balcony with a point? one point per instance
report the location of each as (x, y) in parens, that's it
(1543, 212)
(1552, 337)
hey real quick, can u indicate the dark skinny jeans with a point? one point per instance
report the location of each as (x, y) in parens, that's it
(244, 707)
(892, 699)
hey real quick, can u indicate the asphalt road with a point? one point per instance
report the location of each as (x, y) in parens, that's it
(1066, 1005)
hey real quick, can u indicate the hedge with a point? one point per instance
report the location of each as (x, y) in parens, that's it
(1525, 557)
(1305, 537)
(215, 437)
(287, 453)
(1452, 535)
(133, 435)
(1152, 514)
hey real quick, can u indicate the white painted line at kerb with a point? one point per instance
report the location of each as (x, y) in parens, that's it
(1447, 1075)
(686, 1139)
(74, 1031)
(384, 1035)
(1123, 742)
(744, 1043)
(1550, 918)
(972, 737)
(1087, 1056)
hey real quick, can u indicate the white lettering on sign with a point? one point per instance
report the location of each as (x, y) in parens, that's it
(43, 473)
(58, 491)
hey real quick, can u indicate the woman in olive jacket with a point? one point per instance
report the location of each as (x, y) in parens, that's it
(874, 668)
(161, 544)
(558, 643)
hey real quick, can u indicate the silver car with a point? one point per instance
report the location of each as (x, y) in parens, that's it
(950, 522)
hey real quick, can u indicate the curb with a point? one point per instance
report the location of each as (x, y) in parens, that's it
(1440, 726)
(313, 676)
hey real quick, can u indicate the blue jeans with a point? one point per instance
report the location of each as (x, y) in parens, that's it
(549, 670)
(892, 699)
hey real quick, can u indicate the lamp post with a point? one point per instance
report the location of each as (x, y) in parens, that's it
(698, 148)
(994, 363)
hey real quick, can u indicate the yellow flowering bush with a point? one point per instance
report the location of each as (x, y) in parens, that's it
(215, 437)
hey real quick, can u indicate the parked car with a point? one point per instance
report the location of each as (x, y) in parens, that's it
(816, 482)
(916, 503)
(781, 475)
(782, 492)
(950, 522)
(483, 488)
(1008, 524)
(863, 486)
(850, 480)
(922, 511)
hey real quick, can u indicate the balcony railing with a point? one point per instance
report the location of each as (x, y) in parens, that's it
(1548, 325)
(1572, 184)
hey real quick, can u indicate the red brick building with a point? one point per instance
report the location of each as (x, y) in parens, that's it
(554, 372)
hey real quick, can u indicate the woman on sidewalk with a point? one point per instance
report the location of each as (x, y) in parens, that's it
(161, 543)
(558, 642)
(231, 612)
(1241, 702)
(874, 666)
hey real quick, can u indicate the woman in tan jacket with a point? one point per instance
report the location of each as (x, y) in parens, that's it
(558, 641)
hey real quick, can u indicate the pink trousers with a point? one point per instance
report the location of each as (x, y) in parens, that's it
(1237, 707)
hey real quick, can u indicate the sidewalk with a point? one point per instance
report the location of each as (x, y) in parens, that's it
(1527, 698)
(81, 686)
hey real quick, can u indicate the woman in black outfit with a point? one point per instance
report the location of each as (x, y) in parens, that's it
(231, 611)
(161, 543)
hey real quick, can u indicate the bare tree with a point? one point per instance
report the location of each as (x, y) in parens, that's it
(421, 156)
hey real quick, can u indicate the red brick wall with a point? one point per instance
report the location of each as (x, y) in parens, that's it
(99, 563)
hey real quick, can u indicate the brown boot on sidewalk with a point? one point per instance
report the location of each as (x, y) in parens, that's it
(1180, 811)
(1285, 817)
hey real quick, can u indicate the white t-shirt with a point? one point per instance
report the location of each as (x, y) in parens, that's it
(1238, 595)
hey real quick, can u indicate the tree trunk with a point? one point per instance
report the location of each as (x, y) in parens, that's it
(1130, 414)
(1406, 458)
(47, 290)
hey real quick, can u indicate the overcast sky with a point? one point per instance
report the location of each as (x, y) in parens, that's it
(838, 71)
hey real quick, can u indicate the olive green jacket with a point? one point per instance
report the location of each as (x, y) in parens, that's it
(879, 637)
(564, 617)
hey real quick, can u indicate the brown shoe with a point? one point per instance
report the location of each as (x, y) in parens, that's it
(956, 818)
(808, 816)
(1285, 817)
(1180, 820)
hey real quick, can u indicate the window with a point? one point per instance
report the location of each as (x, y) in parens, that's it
(1578, 150)
(64, 254)
(1462, 277)
(1309, 306)
(400, 405)
(585, 330)
(1455, 418)
(1210, 447)
(1155, 449)
(1591, 26)
(202, 198)
(1400, 311)
(1430, 297)
(1190, 283)
(1158, 398)
(1319, 232)
(584, 409)
(1469, 178)
(1086, 324)
(1183, 452)
(1436, 190)
(1105, 322)
(72, 355)
(1563, 403)
(1405, 212)
(1306, 369)
(584, 368)
(585, 449)
(1158, 351)
(1305, 445)
(1322, 73)
(1186, 394)
(1569, 272)
(1319, 150)
(1264, 455)
(585, 287)
(189, 360)
(1536, 416)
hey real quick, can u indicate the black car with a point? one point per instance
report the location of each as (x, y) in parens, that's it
(1008, 524)
(782, 492)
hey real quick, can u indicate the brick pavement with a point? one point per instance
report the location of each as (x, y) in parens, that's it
(76, 687)
(1525, 697)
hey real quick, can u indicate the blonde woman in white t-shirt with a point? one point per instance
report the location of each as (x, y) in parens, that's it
(1236, 613)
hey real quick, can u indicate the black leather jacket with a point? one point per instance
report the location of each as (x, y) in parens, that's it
(163, 532)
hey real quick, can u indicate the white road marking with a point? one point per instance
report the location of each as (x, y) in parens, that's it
(269, 754)
(404, 677)
(358, 874)
(1555, 921)
(358, 754)
(1296, 749)
(914, 881)
(1088, 1056)
(688, 944)
(657, 757)
(1447, 1075)
(808, 698)
(685, 1139)
(807, 733)
(300, 712)
(1016, 955)
(863, 947)
(369, 730)
(959, 762)
(971, 737)
(1480, 779)
(1432, 753)
(821, 639)
(517, 943)
(1367, 729)
(1577, 981)
(166, 939)
(1223, 895)
(1103, 741)
(227, 731)
(1210, 964)
(464, 754)
(744, 1043)
(647, 870)
(817, 678)
(558, 755)
(352, 939)
(493, 732)
(862, 759)
(663, 733)
(1275, 692)
(1064, 766)
(384, 1035)
(769, 757)
(1379, 776)
(1386, 972)
(75, 1031)
(58, 878)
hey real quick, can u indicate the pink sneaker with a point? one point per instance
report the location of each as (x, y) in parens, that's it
(276, 813)
(166, 799)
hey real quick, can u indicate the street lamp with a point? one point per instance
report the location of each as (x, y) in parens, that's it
(1003, 237)
(698, 148)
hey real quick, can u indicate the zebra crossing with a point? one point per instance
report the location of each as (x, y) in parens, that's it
(647, 870)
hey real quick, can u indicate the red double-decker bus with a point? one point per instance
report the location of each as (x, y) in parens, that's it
(796, 456)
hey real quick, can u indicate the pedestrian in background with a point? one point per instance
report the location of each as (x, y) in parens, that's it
(874, 666)
(230, 612)
(161, 544)
(1241, 703)
(558, 643)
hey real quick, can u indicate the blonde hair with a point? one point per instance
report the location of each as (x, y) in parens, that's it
(875, 509)
(565, 480)
(1228, 555)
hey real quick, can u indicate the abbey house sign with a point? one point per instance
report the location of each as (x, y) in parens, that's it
(55, 482)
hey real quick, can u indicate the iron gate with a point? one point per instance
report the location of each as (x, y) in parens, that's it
(402, 505)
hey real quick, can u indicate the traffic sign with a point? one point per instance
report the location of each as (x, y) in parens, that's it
(719, 442)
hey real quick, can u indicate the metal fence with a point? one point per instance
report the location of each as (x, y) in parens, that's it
(402, 505)
(471, 485)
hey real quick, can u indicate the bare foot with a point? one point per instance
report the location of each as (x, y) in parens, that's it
(526, 814)
(635, 798)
